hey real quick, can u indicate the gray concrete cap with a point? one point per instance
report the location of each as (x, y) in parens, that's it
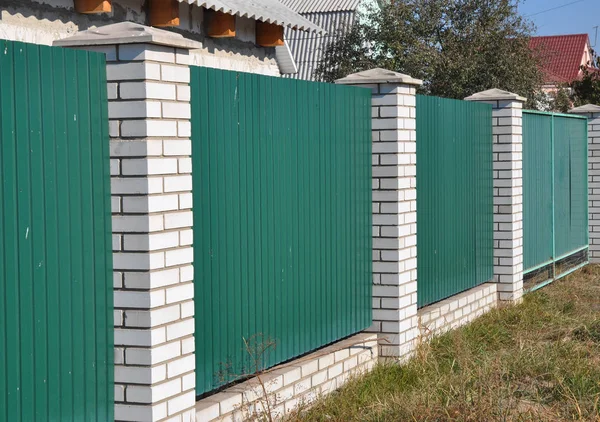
(127, 33)
(588, 108)
(495, 94)
(378, 76)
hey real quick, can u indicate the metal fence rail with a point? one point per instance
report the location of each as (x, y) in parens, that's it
(282, 219)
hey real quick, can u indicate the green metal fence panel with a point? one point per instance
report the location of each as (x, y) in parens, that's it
(455, 197)
(56, 330)
(555, 202)
(537, 190)
(570, 184)
(282, 219)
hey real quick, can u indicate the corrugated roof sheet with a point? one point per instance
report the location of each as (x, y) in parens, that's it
(270, 11)
(563, 53)
(308, 48)
(316, 6)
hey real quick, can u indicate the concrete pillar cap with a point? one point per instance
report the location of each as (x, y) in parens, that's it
(588, 108)
(495, 94)
(378, 76)
(127, 33)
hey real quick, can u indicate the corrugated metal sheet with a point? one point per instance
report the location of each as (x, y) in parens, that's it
(270, 11)
(282, 199)
(308, 48)
(321, 6)
(570, 184)
(285, 59)
(455, 201)
(554, 154)
(537, 189)
(56, 312)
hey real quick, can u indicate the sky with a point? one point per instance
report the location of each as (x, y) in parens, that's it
(568, 17)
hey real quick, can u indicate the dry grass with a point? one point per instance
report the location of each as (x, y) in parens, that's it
(538, 361)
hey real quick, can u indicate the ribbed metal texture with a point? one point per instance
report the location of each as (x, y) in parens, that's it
(455, 197)
(570, 184)
(537, 189)
(312, 6)
(56, 317)
(308, 48)
(271, 11)
(282, 218)
(555, 202)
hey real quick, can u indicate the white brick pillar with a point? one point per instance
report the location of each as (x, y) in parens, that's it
(149, 116)
(507, 117)
(592, 112)
(394, 207)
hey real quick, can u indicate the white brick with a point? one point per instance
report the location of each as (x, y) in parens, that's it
(188, 345)
(179, 256)
(184, 129)
(152, 280)
(135, 148)
(180, 293)
(185, 165)
(186, 237)
(130, 412)
(132, 71)
(179, 220)
(136, 185)
(155, 203)
(181, 147)
(180, 329)
(139, 300)
(153, 356)
(149, 166)
(137, 223)
(138, 261)
(178, 183)
(183, 92)
(133, 109)
(151, 318)
(142, 128)
(151, 242)
(182, 402)
(188, 382)
(175, 73)
(149, 90)
(187, 309)
(185, 201)
(179, 110)
(181, 366)
(155, 393)
(145, 338)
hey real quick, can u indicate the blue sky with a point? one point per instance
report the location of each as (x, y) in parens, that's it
(576, 18)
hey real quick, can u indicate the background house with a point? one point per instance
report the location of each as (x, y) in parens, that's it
(234, 43)
(563, 57)
(334, 16)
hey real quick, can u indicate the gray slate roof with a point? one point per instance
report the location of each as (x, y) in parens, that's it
(270, 11)
(314, 6)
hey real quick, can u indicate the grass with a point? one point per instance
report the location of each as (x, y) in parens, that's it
(536, 361)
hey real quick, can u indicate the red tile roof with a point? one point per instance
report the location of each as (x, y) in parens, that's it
(563, 55)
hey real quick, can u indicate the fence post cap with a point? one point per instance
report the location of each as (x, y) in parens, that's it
(127, 33)
(588, 108)
(495, 94)
(378, 76)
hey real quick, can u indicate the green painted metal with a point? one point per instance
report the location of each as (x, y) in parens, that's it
(455, 197)
(56, 335)
(555, 218)
(282, 218)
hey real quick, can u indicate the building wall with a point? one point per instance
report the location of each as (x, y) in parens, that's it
(43, 21)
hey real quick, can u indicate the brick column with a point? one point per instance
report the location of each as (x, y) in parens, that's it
(592, 112)
(149, 125)
(507, 116)
(394, 207)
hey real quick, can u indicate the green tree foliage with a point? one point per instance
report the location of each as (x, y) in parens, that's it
(458, 47)
(586, 90)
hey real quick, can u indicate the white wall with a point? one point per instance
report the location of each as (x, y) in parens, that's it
(43, 21)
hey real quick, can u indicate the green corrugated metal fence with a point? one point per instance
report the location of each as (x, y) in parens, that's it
(56, 341)
(555, 217)
(455, 197)
(282, 218)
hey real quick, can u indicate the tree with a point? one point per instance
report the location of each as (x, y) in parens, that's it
(458, 47)
(586, 90)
